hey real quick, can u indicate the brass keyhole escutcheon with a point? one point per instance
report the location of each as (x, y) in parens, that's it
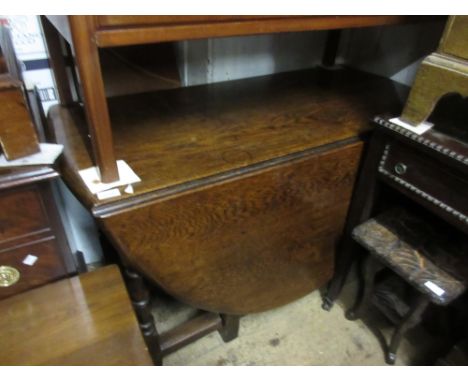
(400, 168)
(8, 276)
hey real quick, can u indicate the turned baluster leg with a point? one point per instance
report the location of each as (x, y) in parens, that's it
(230, 328)
(370, 267)
(412, 318)
(140, 297)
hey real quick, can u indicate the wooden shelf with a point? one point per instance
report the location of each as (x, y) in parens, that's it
(180, 137)
(129, 30)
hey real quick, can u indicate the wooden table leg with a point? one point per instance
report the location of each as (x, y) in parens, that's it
(140, 297)
(230, 328)
(412, 318)
(89, 68)
(362, 203)
(370, 267)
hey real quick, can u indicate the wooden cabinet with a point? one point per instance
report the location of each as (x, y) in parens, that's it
(82, 320)
(33, 247)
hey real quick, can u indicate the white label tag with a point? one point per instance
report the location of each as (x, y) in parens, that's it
(129, 189)
(92, 180)
(435, 288)
(30, 260)
(420, 129)
(108, 194)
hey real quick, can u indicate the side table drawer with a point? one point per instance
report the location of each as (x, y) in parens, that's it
(426, 178)
(22, 212)
(45, 265)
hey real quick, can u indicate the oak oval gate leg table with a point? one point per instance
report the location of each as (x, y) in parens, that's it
(245, 185)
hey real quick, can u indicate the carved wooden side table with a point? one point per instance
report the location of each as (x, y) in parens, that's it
(430, 169)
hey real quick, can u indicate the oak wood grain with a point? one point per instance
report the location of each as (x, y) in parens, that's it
(248, 244)
(85, 320)
(174, 137)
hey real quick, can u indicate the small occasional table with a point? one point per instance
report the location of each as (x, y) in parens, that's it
(84, 320)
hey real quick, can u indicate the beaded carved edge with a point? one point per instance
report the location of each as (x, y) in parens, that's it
(418, 191)
(420, 139)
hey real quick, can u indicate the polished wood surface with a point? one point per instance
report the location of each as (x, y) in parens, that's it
(89, 69)
(18, 137)
(87, 33)
(22, 213)
(277, 154)
(129, 30)
(249, 244)
(176, 137)
(86, 320)
(30, 225)
(49, 266)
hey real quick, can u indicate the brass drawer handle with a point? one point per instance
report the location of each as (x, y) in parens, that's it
(8, 276)
(400, 168)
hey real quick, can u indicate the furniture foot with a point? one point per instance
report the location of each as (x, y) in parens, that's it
(140, 297)
(327, 303)
(230, 329)
(412, 318)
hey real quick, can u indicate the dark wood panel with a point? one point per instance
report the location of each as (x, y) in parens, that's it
(248, 244)
(22, 213)
(427, 175)
(86, 320)
(176, 136)
(48, 267)
(131, 30)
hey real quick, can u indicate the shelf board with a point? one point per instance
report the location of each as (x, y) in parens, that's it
(177, 136)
